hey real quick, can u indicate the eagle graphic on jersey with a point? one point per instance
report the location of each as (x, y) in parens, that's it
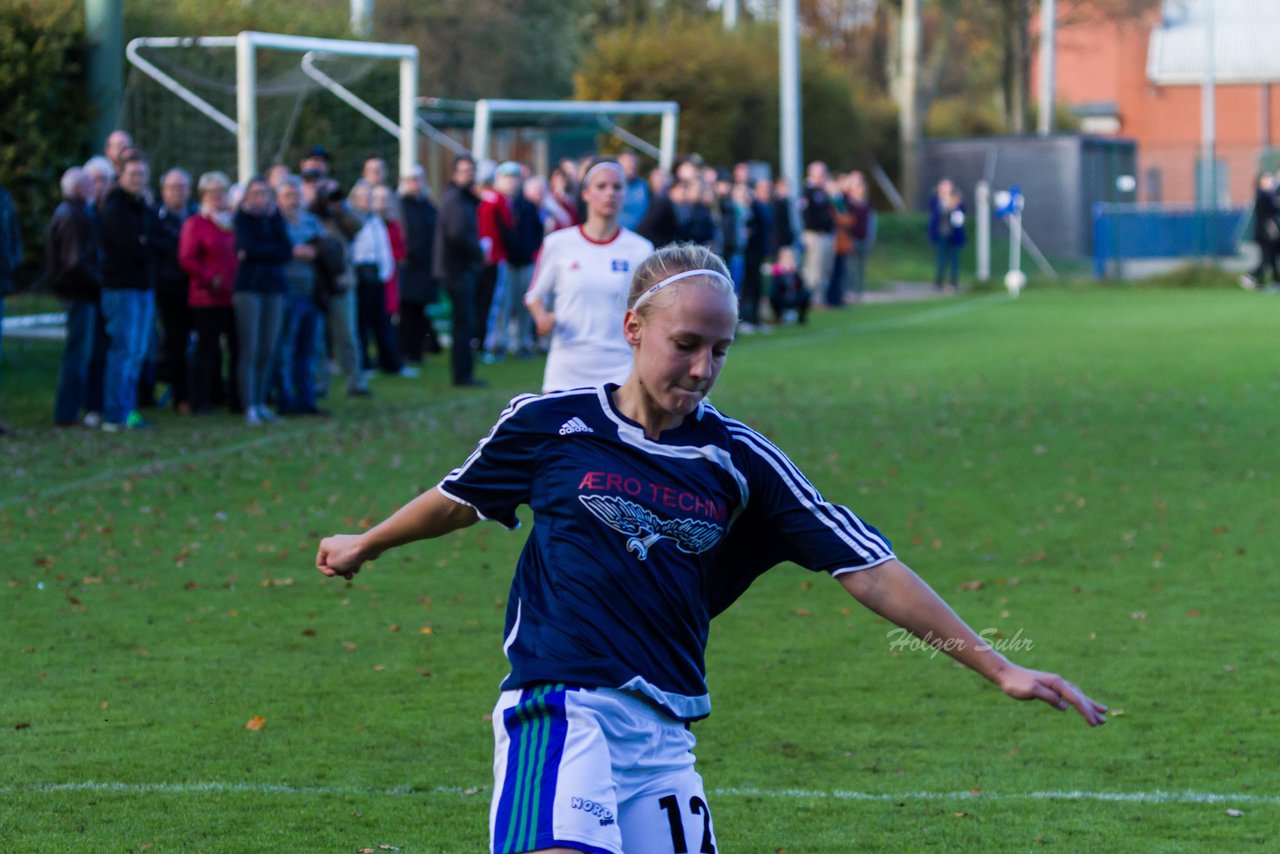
(644, 528)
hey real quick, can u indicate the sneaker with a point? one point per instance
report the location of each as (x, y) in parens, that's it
(265, 415)
(135, 421)
(251, 417)
(1249, 283)
(409, 372)
(92, 420)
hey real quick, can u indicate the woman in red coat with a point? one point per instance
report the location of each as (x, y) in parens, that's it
(207, 252)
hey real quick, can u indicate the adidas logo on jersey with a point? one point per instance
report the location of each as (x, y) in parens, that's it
(574, 425)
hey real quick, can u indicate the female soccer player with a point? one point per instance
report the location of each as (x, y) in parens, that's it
(652, 512)
(584, 274)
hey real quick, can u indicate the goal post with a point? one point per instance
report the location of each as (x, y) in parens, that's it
(486, 108)
(246, 45)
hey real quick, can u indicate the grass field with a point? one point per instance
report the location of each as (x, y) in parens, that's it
(1090, 475)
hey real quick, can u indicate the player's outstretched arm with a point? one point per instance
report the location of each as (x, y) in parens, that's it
(431, 514)
(896, 593)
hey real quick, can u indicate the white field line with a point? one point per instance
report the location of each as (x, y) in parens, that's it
(1153, 797)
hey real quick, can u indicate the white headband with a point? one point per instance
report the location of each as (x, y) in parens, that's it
(677, 277)
(609, 164)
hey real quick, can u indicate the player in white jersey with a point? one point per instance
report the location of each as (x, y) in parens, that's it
(579, 289)
(652, 512)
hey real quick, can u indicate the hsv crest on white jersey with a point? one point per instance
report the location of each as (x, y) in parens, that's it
(585, 283)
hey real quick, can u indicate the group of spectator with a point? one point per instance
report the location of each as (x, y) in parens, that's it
(262, 291)
(251, 298)
(747, 219)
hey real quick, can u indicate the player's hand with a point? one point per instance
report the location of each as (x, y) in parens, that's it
(342, 555)
(1023, 684)
(544, 323)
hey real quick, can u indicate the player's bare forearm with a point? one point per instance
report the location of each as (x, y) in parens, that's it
(430, 515)
(896, 593)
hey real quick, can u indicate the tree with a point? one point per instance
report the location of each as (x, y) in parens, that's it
(44, 115)
(491, 48)
(727, 88)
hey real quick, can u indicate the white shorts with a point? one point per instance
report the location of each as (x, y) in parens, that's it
(596, 770)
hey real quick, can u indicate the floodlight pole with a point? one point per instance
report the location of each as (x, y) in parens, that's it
(789, 96)
(1208, 116)
(730, 14)
(104, 32)
(1048, 65)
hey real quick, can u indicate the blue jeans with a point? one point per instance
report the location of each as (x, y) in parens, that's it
(948, 263)
(296, 367)
(129, 315)
(258, 320)
(73, 377)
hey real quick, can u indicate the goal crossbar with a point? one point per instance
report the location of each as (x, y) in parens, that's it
(486, 108)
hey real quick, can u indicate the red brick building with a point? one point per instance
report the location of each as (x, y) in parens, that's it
(1142, 79)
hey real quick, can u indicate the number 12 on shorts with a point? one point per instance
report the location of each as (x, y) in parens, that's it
(697, 807)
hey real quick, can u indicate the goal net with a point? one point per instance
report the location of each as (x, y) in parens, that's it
(243, 103)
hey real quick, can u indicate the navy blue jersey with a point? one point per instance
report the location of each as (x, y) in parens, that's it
(637, 543)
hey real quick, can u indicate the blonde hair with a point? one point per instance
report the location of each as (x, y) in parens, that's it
(671, 261)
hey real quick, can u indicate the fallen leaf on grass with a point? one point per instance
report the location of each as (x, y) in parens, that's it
(256, 723)
(22, 725)
(1115, 713)
(960, 814)
(1235, 813)
(276, 582)
(1138, 615)
(308, 633)
(379, 667)
(348, 646)
(427, 630)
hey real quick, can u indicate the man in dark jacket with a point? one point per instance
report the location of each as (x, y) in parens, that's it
(1266, 233)
(128, 298)
(457, 261)
(418, 287)
(171, 285)
(73, 270)
(10, 256)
